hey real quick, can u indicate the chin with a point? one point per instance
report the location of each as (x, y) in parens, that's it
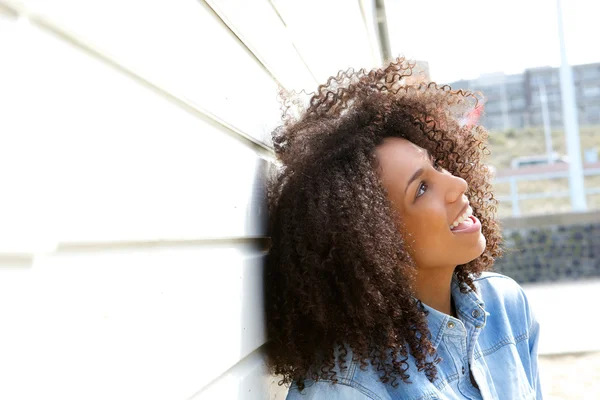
(480, 247)
(475, 251)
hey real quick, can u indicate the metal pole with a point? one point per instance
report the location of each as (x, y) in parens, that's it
(367, 12)
(514, 195)
(504, 95)
(571, 125)
(382, 31)
(546, 119)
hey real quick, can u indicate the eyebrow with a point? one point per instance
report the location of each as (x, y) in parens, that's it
(413, 178)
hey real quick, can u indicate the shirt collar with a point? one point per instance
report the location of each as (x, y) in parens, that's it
(470, 309)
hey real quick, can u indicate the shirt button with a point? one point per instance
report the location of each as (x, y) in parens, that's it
(475, 313)
(450, 325)
(463, 370)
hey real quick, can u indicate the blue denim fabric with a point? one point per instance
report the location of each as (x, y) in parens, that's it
(496, 335)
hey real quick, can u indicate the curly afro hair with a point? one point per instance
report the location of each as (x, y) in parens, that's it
(338, 274)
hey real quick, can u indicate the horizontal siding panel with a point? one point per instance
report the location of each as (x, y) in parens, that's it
(247, 380)
(267, 36)
(315, 24)
(87, 154)
(182, 45)
(128, 324)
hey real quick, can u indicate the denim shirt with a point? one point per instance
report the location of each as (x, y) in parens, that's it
(496, 336)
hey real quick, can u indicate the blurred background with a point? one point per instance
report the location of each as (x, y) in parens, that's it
(134, 140)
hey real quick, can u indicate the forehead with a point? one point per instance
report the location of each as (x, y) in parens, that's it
(400, 156)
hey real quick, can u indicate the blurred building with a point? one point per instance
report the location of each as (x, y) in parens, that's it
(515, 101)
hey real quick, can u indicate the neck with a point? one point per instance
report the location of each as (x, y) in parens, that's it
(433, 287)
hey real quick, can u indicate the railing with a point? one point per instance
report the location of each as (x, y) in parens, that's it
(553, 171)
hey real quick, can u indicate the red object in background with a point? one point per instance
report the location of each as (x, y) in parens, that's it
(473, 117)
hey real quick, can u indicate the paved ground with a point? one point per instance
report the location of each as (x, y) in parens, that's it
(571, 376)
(569, 345)
(567, 314)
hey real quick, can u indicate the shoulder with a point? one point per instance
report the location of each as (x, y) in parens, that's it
(502, 295)
(332, 391)
(358, 382)
(351, 383)
(498, 284)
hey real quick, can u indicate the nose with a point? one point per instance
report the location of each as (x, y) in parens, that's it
(456, 188)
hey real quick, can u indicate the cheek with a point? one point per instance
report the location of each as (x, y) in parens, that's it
(428, 230)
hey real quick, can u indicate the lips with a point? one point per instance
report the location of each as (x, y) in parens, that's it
(473, 226)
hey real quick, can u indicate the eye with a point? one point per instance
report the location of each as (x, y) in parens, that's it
(422, 189)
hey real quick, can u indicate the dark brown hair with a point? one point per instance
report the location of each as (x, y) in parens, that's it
(338, 274)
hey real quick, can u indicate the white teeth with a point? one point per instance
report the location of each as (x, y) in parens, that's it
(461, 218)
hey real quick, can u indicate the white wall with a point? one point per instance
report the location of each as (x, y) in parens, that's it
(133, 141)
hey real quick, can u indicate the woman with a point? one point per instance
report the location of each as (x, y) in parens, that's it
(382, 225)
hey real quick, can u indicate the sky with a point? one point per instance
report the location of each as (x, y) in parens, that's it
(467, 38)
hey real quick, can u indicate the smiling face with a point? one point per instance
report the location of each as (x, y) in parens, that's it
(432, 205)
